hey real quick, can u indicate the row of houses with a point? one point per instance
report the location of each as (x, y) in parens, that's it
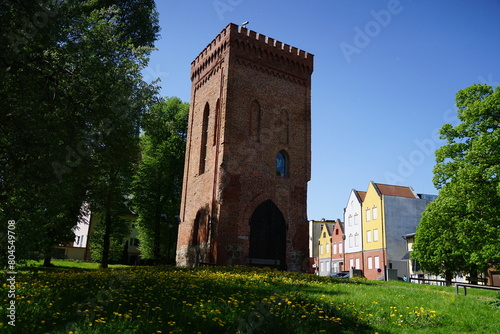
(375, 238)
(371, 237)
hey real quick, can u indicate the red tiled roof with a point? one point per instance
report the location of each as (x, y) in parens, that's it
(391, 190)
(361, 194)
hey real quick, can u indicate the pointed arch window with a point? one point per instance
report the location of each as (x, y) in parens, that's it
(282, 126)
(217, 122)
(204, 138)
(254, 119)
(282, 164)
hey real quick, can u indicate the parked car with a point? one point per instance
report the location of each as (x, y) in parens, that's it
(342, 274)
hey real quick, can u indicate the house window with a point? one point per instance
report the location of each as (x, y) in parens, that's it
(351, 263)
(368, 214)
(375, 212)
(369, 236)
(281, 164)
(334, 248)
(375, 234)
(340, 248)
(357, 264)
(370, 262)
(356, 219)
(350, 240)
(133, 242)
(327, 248)
(356, 240)
(377, 262)
(321, 249)
(349, 220)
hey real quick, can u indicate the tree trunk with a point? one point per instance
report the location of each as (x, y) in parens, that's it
(106, 238)
(157, 225)
(108, 220)
(473, 275)
(157, 240)
(448, 276)
(46, 261)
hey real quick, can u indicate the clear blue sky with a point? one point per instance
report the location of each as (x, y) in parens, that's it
(385, 77)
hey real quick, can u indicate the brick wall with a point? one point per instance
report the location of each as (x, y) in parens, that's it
(257, 91)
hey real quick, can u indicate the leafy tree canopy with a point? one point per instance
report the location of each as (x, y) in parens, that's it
(71, 99)
(158, 181)
(460, 231)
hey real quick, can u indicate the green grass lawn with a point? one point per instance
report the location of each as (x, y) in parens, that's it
(65, 264)
(237, 300)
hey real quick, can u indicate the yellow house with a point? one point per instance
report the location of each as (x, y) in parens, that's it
(372, 219)
(388, 213)
(325, 249)
(373, 233)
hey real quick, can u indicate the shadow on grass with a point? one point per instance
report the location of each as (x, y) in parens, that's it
(169, 299)
(298, 310)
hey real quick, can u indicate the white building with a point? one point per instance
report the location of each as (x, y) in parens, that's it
(353, 230)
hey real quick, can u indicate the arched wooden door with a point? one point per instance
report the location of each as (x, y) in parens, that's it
(267, 236)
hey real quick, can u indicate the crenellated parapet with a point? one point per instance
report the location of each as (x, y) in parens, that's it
(250, 48)
(212, 54)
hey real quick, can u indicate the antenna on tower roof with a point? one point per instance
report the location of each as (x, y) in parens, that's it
(244, 24)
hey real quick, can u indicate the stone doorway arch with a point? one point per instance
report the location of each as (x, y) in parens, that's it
(267, 237)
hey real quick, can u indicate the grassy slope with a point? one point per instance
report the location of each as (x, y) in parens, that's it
(67, 264)
(454, 313)
(239, 299)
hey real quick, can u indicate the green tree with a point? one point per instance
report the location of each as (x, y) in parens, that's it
(125, 98)
(118, 236)
(460, 231)
(158, 182)
(39, 125)
(71, 96)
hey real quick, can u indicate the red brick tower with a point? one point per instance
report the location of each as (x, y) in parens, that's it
(248, 154)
